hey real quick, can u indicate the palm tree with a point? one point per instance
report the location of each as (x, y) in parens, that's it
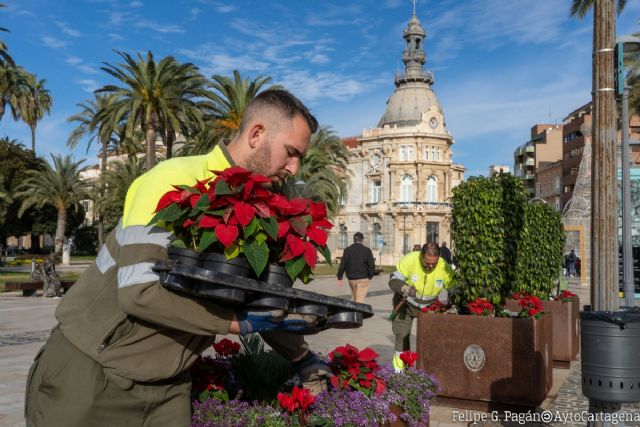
(225, 108)
(4, 54)
(115, 182)
(59, 186)
(33, 103)
(95, 122)
(324, 170)
(580, 8)
(13, 86)
(155, 96)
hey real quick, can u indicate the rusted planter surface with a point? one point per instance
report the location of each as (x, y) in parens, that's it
(487, 359)
(566, 329)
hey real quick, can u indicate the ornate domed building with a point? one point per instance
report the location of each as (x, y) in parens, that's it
(402, 170)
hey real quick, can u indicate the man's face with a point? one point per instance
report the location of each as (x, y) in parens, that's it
(279, 152)
(429, 262)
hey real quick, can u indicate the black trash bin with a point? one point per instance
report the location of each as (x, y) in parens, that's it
(610, 353)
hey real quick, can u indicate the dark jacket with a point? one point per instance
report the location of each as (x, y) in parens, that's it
(445, 253)
(357, 262)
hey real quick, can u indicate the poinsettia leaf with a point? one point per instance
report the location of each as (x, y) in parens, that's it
(244, 212)
(250, 229)
(155, 219)
(326, 253)
(310, 255)
(226, 234)
(262, 209)
(257, 255)
(317, 235)
(305, 274)
(283, 228)
(296, 245)
(208, 237)
(232, 251)
(222, 188)
(294, 267)
(203, 203)
(261, 238)
(299, 225)
(178, 243)
(270, 225)
(307, 219)
(170, 214)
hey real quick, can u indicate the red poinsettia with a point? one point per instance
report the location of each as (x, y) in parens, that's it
(236, 213)
(435, 307)
(566, 296)
(354, 369)
(226, 348)
(208, 377)
(530, 306)
(480, 307)
(409, 358)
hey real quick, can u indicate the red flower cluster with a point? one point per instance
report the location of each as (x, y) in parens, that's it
(409, 358)
(481, 307)
(207, 378)
(235, 213)
(299, 398)
(530, 306)
(435, 307)
(225, 348)
(566, 296)
(355, 369)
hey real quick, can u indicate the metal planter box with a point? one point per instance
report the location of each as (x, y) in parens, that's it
(566, 329)
(488, 359)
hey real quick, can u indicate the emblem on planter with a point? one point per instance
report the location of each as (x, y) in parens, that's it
(474, 358)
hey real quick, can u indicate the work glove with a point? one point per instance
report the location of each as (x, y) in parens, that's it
(443, 297)
(408, 291)
(313, 372)
(267, 320)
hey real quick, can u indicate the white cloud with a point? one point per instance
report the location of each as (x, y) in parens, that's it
(225, 8)
(88, 85)
(114, 36)
(136, 4)
(160, 28)
(319, 58)
(67, 30)
(313, 86)
(53, 42)
(194, 12)
(73, 60)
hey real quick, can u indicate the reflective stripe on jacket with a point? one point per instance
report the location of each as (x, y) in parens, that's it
(428, 285)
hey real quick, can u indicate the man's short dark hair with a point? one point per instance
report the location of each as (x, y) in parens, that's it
(430, 249)
(282, 101)
(358, 237)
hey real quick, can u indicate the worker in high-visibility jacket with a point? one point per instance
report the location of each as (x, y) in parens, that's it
(123, 344)
(420, 278)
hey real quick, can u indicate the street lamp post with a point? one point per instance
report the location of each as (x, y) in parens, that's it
(626, 45)
(405, 243)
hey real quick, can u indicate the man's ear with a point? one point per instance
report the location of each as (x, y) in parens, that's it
(256, 134)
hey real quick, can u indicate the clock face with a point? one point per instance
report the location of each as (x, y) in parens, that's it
(433, 122)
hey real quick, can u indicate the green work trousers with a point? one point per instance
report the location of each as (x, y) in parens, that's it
(402, 324)
(67, 388)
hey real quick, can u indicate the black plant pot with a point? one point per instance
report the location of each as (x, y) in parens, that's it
(219, 263)
(185, 256)
(276, 274)
(610, 345)
(269, 301)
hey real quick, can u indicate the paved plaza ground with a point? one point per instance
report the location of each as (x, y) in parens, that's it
(25, 323)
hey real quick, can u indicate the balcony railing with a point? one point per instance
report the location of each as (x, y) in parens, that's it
(421, 206)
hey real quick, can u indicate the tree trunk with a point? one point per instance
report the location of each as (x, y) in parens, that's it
(150, 138)
(171, 136)
(60, 230)
(604, 250)
(33, 139)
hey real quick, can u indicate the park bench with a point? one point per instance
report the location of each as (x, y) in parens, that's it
(30, 288)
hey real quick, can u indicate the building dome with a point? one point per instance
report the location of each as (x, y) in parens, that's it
(407, 103)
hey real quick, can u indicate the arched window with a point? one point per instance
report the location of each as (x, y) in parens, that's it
(342, 237)
(432, 189)
(406, 188)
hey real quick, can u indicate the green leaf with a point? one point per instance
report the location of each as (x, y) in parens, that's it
(299, 225)
(251, 227)
(257, 255)
(171, 213)
(294, 266)
(208, 237)
(222, 188)
(203, 203)
(261, 238)
(326, 253)
(270, 225)
(232, 251)
(178, 243)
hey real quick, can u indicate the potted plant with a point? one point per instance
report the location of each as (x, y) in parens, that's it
(235, 216)
(478, 350)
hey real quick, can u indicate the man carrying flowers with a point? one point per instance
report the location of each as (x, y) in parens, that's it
(121, 352)
(420, 278)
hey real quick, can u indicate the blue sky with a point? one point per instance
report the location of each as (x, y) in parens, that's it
(500, 65)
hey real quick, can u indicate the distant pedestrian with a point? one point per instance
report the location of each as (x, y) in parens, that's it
(445, 253)
(357, 262)
(572, 263)
(416, 247)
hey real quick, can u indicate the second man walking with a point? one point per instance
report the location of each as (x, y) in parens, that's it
(357, 262)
